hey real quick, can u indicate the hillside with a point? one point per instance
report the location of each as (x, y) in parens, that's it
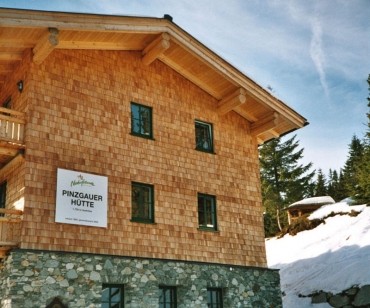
(332, 257)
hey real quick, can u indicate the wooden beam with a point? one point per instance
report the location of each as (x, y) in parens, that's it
(45, 45)
(12, 43)
(274, 133)
(97, 45)
(231, 101)
(8, 151)
(265, 124)
(11, 211)
(245, 114)
(193, 78)
(15, 161)
(156, 48)
(10, 56)
(259, 140)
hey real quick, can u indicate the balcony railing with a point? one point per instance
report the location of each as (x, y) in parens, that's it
(11, 126)
(10, 230)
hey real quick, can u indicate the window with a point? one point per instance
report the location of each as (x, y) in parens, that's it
(141, 120)
(112, 296)
(2, 197)
(214, 298)
(203, 136)
(207, 212)
(142, 202)
(167, 297)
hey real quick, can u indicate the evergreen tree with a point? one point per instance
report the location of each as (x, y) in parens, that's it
(341, 191)
(284, 179)
(332, 183)
(351, 167)
(320, 186)
(361, 192)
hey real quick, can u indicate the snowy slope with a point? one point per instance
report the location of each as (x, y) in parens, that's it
(332, 257)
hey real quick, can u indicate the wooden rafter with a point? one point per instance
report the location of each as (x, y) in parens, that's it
(245, 114)
(75, 44)
(156, 48)
(45, 45)
(265, 124)
(231, 101)
(12, 43)
(10, 56)
(14, 162)
(8, 151)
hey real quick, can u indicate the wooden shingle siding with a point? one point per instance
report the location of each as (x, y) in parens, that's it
(78, 118)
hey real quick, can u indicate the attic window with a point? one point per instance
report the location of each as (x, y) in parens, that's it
(203, 136)
(141, 121)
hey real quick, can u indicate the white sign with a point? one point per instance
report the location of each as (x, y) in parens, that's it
(82, 198)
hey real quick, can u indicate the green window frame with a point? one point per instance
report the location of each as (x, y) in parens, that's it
(112, 296)
(168, 297)
(214, 298)
(203, 136)
(207, 213)
(141, 121)
(142, 196)
(2, 197)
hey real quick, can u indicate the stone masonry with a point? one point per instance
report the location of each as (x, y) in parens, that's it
(35, 278)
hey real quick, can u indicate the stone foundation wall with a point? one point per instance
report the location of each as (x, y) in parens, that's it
(35, 278)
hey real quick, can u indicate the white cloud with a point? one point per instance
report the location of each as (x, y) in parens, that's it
(317, 53)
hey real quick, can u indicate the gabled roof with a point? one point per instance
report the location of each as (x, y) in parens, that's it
(157, 39)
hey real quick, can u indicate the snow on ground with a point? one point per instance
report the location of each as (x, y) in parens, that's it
(332, 257)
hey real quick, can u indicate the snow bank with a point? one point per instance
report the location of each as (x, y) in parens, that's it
(332, 257)
(335, 208)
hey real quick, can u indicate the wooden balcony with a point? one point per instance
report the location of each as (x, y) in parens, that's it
(10, 230)
(11, 134)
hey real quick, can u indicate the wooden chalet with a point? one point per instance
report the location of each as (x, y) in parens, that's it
(165, 125)
(306, 206)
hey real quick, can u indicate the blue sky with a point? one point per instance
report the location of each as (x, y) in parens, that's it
(314, 55)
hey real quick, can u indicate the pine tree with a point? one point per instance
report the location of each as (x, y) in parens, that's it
(341, 191)
(284, 180)
(351, 167)
(320, 185)
(362, 167)
(332, 183)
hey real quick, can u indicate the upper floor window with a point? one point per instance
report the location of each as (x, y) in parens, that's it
(112, 296)
(167, 297)
(203, 136)
(142, 202)
(141, 120)
(214, 298)
(207, 212)
(2, 197)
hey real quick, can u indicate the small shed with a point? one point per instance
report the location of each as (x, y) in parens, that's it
(307, 206)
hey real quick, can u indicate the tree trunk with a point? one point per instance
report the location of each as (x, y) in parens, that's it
(278, 218)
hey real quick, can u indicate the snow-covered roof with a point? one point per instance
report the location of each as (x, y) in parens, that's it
(314, 201)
